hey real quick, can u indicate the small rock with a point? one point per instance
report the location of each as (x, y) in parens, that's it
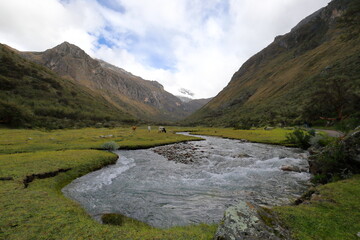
(29, 138)
(315, 197)
(290, 168)
(358, 234)
(243, 155)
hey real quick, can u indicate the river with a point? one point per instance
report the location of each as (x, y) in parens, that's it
(147, 186)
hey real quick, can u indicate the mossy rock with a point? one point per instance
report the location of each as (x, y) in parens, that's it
(246, 220)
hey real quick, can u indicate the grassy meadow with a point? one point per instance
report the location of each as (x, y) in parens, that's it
(40, 211)
(274, 136)
(23, 140)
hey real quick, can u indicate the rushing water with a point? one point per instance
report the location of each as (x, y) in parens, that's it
(146, 186)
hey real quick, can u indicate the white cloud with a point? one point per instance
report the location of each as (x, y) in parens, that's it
(192, 44)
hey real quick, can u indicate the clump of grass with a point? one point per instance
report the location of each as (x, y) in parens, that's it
(111, 146)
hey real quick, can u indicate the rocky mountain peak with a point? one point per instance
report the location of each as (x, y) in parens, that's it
(67, 48)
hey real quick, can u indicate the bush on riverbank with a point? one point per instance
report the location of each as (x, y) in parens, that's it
(300, 138)
(338, 160)
(111, 146)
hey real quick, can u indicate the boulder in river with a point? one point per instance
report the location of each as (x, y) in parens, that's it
(246, 221)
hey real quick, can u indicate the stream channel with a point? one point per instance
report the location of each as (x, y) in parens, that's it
(148, 187)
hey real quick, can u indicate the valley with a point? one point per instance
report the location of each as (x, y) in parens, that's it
(89, 150)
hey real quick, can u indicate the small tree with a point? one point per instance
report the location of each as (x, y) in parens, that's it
(334, 100)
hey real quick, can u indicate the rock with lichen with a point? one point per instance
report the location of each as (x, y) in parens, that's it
(246, 221)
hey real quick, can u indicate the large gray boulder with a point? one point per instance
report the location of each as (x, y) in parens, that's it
(246, 221)
(352, 146)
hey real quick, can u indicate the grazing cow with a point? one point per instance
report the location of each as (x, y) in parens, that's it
(133, 128)
(162, 129)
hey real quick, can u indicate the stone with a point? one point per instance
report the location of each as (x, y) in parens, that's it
(290, 168)
(243, 155)
(246, 221)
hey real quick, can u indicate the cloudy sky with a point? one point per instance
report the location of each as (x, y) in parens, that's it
(191, 44)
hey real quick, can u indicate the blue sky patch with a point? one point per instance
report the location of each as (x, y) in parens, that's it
(104, 41)
(113, 5)
(161, 62)
(217, 10)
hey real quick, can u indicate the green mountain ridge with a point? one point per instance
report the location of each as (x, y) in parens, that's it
(33, 96)
(309, 73)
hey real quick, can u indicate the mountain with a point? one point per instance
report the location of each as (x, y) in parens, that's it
(34, 96)
(193, 105)
(312, 72)
(146, 100)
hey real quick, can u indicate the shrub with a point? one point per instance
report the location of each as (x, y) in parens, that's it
(111, 146)
(331, 164)
(243, 124)
(299, 138)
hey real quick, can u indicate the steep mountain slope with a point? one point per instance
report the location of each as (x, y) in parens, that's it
(33, 96)
(311, 72)
(144, 99)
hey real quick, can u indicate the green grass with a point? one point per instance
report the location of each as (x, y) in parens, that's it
(275, 136)
(336, 216)
(19, 141)
(40, 211)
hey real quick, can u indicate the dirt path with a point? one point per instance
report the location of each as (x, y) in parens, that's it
(332, 133)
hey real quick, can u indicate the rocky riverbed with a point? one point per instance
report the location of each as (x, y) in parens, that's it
(180, 153)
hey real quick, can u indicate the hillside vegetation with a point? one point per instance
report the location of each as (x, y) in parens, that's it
(311, 72)
(33, 96)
